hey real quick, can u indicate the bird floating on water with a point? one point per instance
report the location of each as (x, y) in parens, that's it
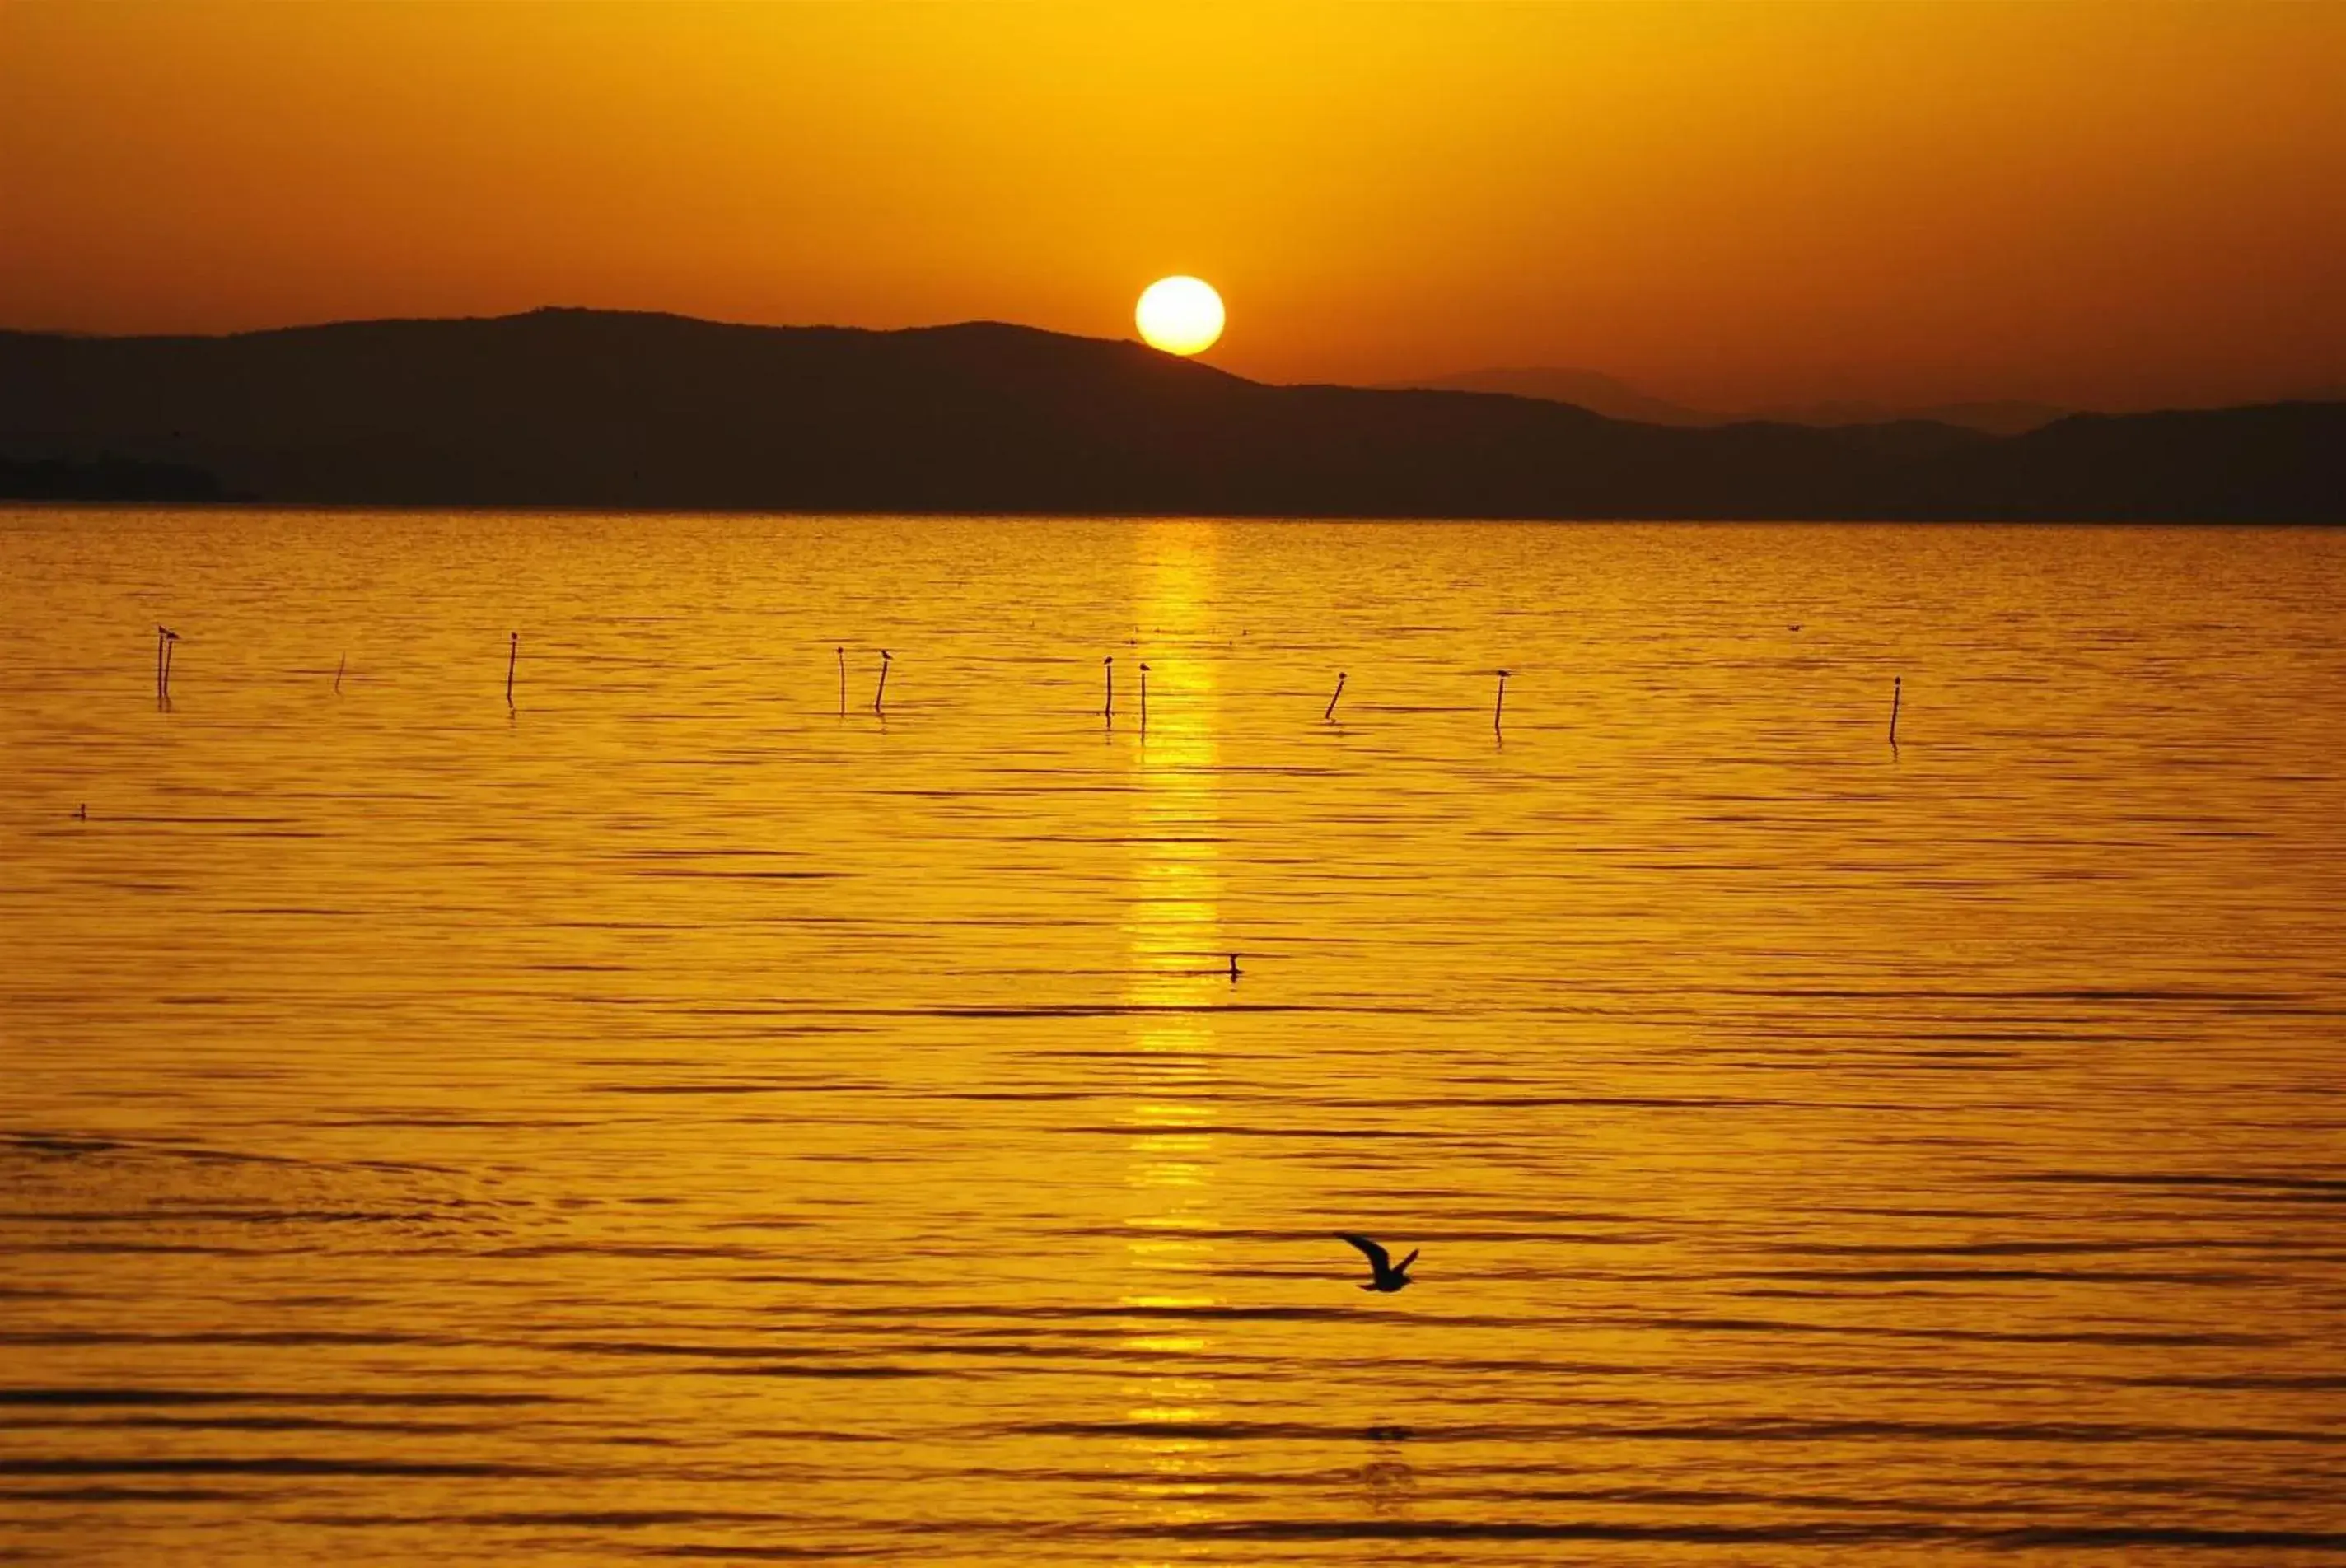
(1384, 1275)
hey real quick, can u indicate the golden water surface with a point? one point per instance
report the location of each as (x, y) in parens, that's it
(674, 1118)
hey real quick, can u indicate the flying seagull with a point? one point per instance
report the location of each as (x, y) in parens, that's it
(1385, 1276)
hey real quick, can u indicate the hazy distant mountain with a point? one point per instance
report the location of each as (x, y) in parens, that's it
(1591, 389)
(1604, 394)
(576, 408)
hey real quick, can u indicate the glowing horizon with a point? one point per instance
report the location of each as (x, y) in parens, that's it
(1720, 205)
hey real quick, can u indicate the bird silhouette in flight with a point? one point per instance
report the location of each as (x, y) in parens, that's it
(1383, 1276)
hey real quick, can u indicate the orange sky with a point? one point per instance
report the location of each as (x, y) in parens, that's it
(2118, 204)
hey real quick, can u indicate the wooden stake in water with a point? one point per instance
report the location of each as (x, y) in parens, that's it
(513, 657)
(1500, 706)
(1330, 714)
(1896, 682)
(1144, 698)
(165, 641)
(339, 665)
(1234, 969)
(880, 695)
(1109, 712)
(841, 651)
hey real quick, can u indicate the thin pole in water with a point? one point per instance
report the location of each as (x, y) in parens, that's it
(1500, 706)
(1234, 969)
(1109, 712)
(339, 665)
(1330, 714)
(880, 695)
(841, 651)
(161, 638)
(512, 657)
(1144, 698)
(1897, 683)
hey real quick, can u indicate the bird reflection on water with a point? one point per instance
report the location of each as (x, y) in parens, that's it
(1388, 1484)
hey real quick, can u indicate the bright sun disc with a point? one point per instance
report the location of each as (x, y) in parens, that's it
(1179, 315)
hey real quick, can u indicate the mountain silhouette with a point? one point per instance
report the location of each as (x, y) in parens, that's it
(2004, 416)
(606, 409)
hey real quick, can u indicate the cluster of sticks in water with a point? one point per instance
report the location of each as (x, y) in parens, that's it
(165, 637)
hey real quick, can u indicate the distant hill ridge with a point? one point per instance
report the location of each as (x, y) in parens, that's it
(602, 409)
(1601, 394)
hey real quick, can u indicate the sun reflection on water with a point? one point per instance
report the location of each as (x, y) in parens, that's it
(1174, 933)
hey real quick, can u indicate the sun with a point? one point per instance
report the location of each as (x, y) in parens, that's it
(1179, 315)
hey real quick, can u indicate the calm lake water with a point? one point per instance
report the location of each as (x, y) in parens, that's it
(675, 1119)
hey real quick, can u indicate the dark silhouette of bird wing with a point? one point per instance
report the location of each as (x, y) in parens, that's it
(1407, 1261)
(1379, 1259)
